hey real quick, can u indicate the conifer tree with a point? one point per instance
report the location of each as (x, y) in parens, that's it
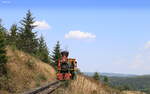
(96, 76)
(28, 41)
(13, 37)
(43, 52)
(56, 54)
(2, 29)
(3, 58)
(106, 80)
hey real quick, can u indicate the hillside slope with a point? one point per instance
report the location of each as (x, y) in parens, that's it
(24, 72)
(86, 85)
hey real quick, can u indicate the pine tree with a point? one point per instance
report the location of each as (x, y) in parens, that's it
(56, 54)
(43, 52)
(28, 41)
(2, 29)
(96, 76)
(13, 37)
(106, 79)
(3, 58)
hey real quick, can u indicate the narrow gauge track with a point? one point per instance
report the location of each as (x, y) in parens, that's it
(47, 89)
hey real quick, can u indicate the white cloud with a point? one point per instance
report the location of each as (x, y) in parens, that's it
(42, 25)
(6, 2)
(77, 34)
(147, 45)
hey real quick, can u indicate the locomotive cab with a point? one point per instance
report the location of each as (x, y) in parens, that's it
(73, 67)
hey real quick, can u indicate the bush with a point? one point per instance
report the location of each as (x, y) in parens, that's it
(42, 77)
(96, 76)
(30, 63)
(3, 57)
(37, 84)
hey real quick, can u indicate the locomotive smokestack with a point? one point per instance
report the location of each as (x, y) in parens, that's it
(65, 53)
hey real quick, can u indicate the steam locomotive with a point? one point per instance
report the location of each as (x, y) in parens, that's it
(66, 67)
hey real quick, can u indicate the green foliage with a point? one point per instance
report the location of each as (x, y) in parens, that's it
(139, 83)
(28, 41)
(96, 76)
(13, 37)
(23, 38)
(66, 83)
(78, 71)
(106, 80)
(3, 58)
(56, 54)
(3, 82)
(42, 77)
(42, 52)
(122, 87)
(37, 84)
(2, 29)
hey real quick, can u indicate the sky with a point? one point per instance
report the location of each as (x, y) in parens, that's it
(103, 35)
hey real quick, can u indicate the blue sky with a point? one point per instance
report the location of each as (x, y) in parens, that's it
(104, 35)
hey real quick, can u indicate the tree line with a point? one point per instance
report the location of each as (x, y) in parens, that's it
(104, 79)
(25, 39)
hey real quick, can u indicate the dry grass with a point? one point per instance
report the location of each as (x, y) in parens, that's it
(25, 72)
(132, 92)
(86, 85)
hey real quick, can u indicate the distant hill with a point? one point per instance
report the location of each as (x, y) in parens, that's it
(111, 74)
(117, 75)
(141, 83)
(132, 82)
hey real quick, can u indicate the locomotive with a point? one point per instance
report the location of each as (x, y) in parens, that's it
(66, 68)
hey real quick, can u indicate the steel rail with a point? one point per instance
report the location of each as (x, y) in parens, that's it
(49, 87)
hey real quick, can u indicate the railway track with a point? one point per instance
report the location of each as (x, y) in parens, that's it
(47, 89)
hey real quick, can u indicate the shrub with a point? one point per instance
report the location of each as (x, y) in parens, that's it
(30, 63)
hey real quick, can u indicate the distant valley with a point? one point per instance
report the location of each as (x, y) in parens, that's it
(129, 81)
(111, 74)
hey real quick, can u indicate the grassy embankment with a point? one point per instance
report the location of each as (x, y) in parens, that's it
(87, 85)
(24, 72)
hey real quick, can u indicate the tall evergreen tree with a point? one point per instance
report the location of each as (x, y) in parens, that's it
(4, 32)
(43, 52)
(96, 76)
(2, 29)
(56, 54)
(3, 58)
(28, 41)
(13, 37)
